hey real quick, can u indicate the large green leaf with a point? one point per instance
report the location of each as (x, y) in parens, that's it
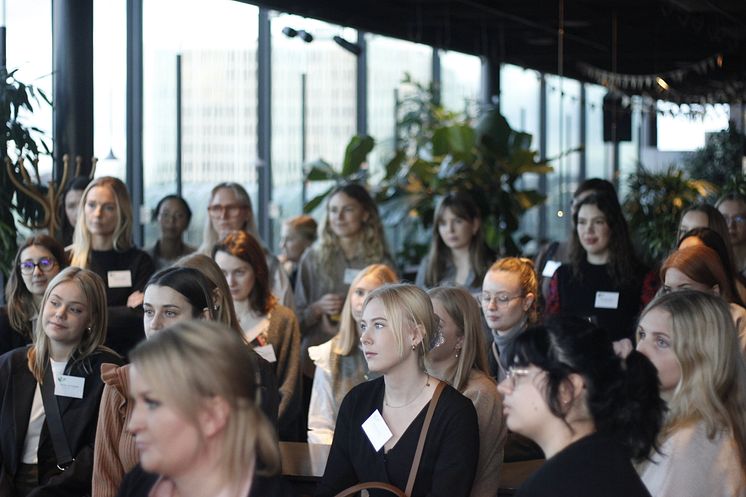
(493, 133)
(316, 201)
(356, 152)
(321, 171)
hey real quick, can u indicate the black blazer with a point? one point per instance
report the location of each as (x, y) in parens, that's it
(79, 416)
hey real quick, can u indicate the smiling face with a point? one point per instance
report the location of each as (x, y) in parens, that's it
(228, 212)
(453, 335)
(36, 282)
(101, 212)
(502, 301)
(72, 202)
(675, 280)
(456, 232)
(238, 273)
(379, 343)
(66, 314)
(346, 215)
(164, 306)
(167, 442)
(593, 230)
(654, 340)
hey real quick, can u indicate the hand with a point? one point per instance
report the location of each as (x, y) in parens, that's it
(329, 304)
(135, 299)
(623, 347)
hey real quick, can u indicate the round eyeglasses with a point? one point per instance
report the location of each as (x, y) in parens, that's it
(45, 264)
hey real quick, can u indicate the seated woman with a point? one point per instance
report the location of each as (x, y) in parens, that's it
(69, 207)
(398, 325)
(271, 328)
(458, 254)
(196, 421)
(461, 360)
(699, 268)
(604, 282)
(589, 410)
(37, 261)
(172, 295)
(298, 233)
(50, 392)
(172, 215)
(733, 208)
(690, 338)
(103, 244)
(703, 215)
(340, 363)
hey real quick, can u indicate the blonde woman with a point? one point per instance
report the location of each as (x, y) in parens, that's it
(58, 371)
(196, 421)
(690, 338)
(103, 243)
(397, 326)
(230, 209)
(340, 363)
(351, 239)
(460, 360)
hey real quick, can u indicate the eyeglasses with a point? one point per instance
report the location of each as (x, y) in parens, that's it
(45, 264)
(514, 374)
(502, 299)
(737, 219)
(231, 209)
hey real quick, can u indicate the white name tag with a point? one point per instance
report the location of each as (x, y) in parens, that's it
(69, 386)
(350, 275)
(377, 430)
(267, 352)
(119, 279)
(550, 268)
(607, 300)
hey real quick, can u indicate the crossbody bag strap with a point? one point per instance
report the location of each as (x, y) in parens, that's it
(423, 435)
(54, 421)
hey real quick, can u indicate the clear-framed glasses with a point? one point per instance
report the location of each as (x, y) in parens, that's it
(513, 375)
(217, 210)
(502, 299)
(45, 264)
(737, 219)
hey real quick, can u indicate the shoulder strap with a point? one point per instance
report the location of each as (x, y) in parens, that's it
(54, 421)
(353, 490)
(423, 435)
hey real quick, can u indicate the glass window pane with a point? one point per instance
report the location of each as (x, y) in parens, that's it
(217, 42)
(597, 152)
(460, 76)
(678, 132)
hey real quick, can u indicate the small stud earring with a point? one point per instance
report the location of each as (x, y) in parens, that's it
(413, 346)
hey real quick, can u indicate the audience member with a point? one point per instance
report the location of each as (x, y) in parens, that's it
(271, 328)
(38, 260)
(703, 215)
(589, 410)
(710, 238)
(458, 254)
(298, 233)
(459, 357)
(172, 213)
(397, 326)
(690, 338)
(50, 392)
(340, 363)
(733, 209)
(69, 208)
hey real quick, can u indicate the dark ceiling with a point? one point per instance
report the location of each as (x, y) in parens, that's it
(697, 46)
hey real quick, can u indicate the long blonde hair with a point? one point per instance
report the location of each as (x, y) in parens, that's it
(348, 338)
(81, 247)
(192, 362)
(93, 337)
(712, 388)
(465, 313)
(209, 235)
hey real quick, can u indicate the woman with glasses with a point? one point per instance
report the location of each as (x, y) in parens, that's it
(103, 243)
(690, 338)
(590, 411)
(733, 209)
(37, 261)
(458, 357)
(230, 209)
(604, 282)
(172, 215)
(458, 254)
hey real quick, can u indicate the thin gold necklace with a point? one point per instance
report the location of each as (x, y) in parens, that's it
(427, 384)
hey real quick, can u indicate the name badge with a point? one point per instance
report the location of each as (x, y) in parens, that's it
(119, 279)
(550, 268)
(350, 275)
(69, 386)
(267, 352)
(607, 300)
(377, 431)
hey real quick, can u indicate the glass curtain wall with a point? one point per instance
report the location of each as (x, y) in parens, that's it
(209, 50)
(460, 80)
(597, 163)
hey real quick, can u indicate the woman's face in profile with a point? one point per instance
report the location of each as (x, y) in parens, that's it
(167, 442)
(524, 403)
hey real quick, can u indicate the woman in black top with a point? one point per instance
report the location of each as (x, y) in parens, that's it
(103, 243)
(589, 410)
(398, 327)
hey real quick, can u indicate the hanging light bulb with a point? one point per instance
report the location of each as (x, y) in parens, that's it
(661, 82)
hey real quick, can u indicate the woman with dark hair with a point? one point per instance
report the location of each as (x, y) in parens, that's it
(590, 411)
(37, 261)
(603, 281)
(704, 215)
(172, 215)
(70, 206)
(733, 208)
(270, 327)
(50, 392)
(458, 254)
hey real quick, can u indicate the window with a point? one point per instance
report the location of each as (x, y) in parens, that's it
(460, 77)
